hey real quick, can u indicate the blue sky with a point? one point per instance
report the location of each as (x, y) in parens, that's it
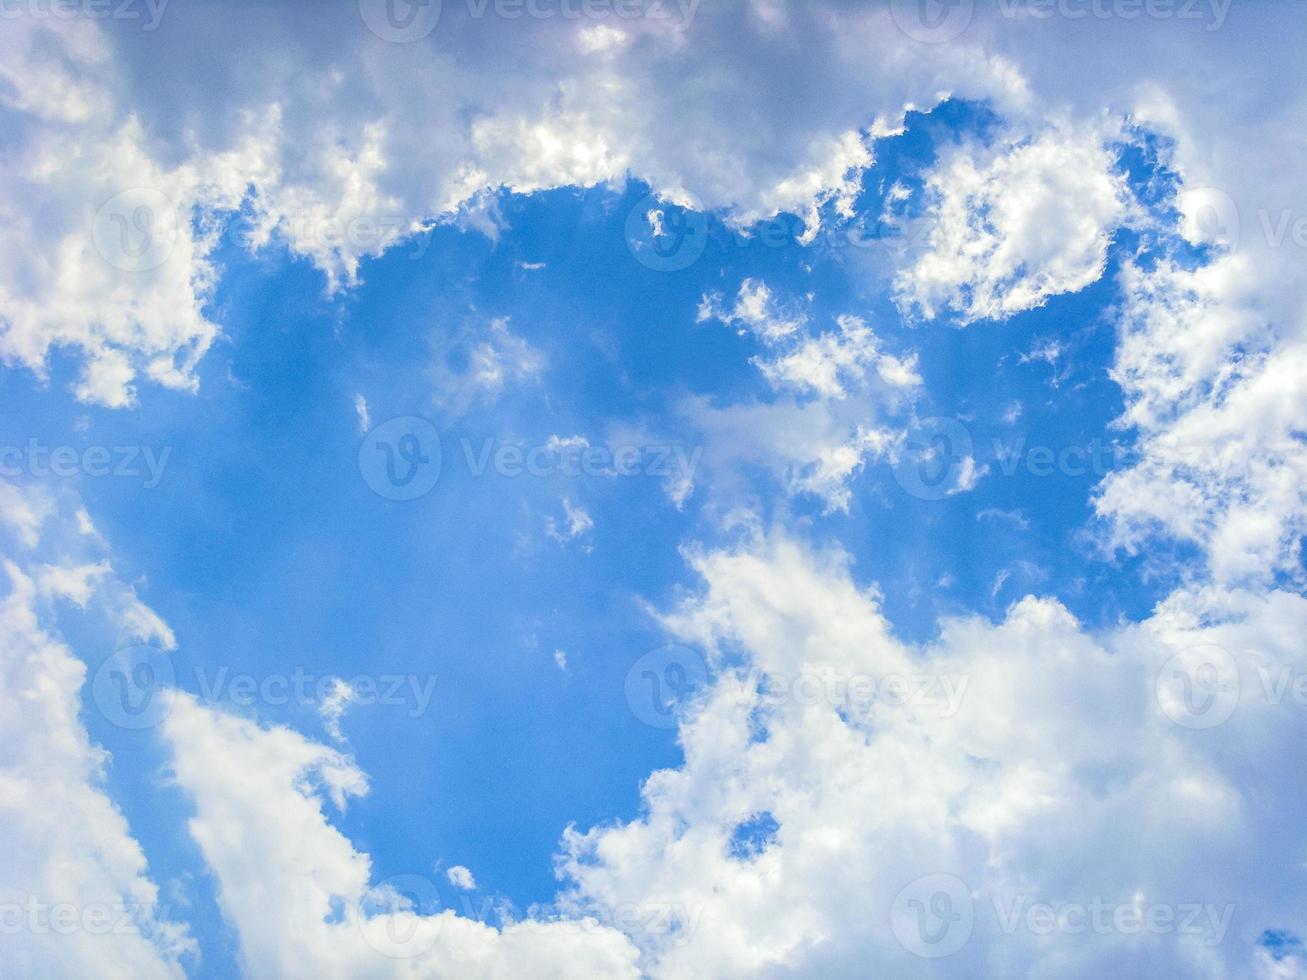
(993, 274)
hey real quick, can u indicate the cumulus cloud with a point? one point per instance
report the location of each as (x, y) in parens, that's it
(336, 144)
(1009, 225)
(75, 889)
(260, 795)
(1010, 757)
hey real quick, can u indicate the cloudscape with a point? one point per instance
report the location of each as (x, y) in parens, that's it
(653, 489)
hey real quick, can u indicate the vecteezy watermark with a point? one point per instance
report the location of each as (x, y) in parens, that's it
(932, 21)
(406, 21)
(940, 693)
(936, 459)
(149, 12)
(1204, 921)
(311, 231)
(669, 237)
(402, 459)
(135, 688)
(136, 229)
(936, 915)
(1199, 687)
(663, 683)
(36, 916)
(941, 21)
(665, 237)
(145, 463)
(402, 919)
(1211, 216)
(1210, 13)
(933, 916)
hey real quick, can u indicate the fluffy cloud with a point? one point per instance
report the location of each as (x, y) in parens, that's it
(1038, 764)
(128, 158)
(260, 796)
(834, 385)
(76, 898)
(1009, 225)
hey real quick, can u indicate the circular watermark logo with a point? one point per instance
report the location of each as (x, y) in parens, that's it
(932, 21)
(1209, 216)
(932, 917)
(666, 237)
(662, 682)
(400, 459)
(134, 687)
(405, 922)
(136, 229)
(933, 454)
(400, 21)
(1199, 687)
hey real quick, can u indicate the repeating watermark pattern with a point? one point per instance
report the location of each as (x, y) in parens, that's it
(941, 21)
(1202, 687)
(666, 237)
(148, 12)
(936, 915)
(144, 463)
(939, 457)
(400, 21)
(313, 231)
(1199, 687)
(136, 229)
(933, 916)
(1209, 13)
(406, 21)
(669, 237)
(405, 922)
(932, 462)
(1212, 216)
(135, 688)
(941, 693)
(663, 683)
(37, 916)
(402, 917)
(1204, 921)
(932, 21)
(402, 459)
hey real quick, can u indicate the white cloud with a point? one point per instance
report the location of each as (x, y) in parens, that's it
(756, 310)
(74, 886)
(334, 704)
(259, 799)
(835, 383)
(1053, 776)
(832, 364)
(461, 878)
(1010, 225)
(364, 415)
(576, 523)
(476, 366)
(815, 448)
